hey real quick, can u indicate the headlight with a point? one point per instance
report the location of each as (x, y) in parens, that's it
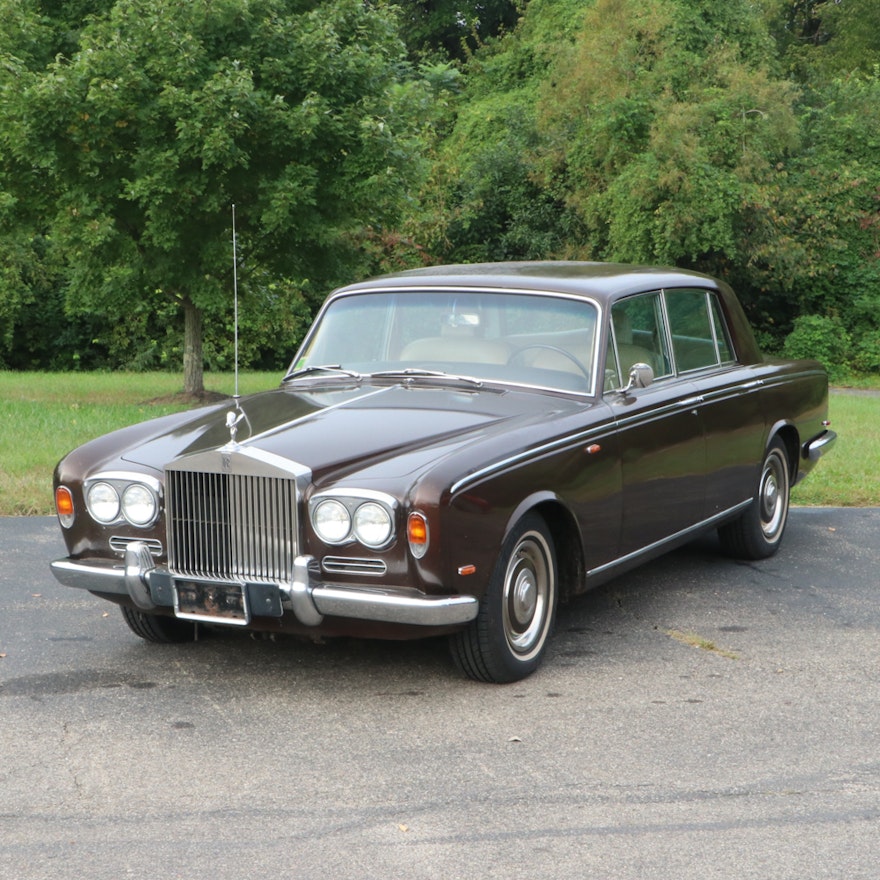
(332, 521)
(118, 496)
(139, 505)
(103, 502)
(343, 516)
(373, 525)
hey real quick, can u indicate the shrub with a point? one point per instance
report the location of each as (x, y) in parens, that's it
(866, 353)
(823, 339)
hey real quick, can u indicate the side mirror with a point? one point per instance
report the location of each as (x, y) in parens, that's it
(640, 376)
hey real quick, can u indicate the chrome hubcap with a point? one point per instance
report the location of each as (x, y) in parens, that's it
(774, 495)
(771, 496)
(527, 598)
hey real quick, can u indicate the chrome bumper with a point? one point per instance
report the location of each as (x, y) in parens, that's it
(818, 446)
(150, 587)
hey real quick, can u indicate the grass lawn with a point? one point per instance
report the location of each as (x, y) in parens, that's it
(849, 476)
(44, 416)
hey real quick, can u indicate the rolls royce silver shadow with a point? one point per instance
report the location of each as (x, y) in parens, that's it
(453, 451)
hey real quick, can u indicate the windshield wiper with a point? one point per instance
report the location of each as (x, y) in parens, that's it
(417, 373)
(321, 368)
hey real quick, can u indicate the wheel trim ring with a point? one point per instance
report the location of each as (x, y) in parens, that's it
(526, 596)
(773, 496)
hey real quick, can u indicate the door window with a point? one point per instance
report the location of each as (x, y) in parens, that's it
(639, 338)
(699, 339)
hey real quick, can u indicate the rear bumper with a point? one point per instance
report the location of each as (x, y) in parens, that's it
(150, 587)
(818, 446)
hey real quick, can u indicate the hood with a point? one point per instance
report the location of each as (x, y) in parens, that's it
(394, 430)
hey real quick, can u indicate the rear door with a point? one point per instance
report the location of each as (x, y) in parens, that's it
(660, 431)
(730, 409)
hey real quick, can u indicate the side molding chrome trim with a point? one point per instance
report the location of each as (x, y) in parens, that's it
(589, 437)
(691, 530)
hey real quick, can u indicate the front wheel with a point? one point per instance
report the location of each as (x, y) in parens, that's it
(155, 628)
(757, 533)
(507, 639)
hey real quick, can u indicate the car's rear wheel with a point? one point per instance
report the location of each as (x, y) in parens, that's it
(757, 533)
(155, 628)
(506, 641)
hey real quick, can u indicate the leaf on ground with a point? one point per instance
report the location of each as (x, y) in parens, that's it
(697, 641)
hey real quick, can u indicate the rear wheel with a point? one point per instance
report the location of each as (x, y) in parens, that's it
(507, 639)
(155, 628)
(757, 533)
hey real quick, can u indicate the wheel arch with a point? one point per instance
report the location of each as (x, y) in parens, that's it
(567, 540)
(790, 437)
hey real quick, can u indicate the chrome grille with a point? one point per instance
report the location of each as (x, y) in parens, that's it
(235, 527)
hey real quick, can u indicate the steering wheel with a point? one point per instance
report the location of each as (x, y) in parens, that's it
(543, 347)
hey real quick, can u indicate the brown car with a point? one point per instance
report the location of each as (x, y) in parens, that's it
(453, 451)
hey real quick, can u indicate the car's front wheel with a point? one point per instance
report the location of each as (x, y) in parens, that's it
(155, 628)
(507, 639)
(757, 533)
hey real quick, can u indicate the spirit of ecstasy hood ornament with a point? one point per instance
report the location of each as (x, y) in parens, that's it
(232, 420)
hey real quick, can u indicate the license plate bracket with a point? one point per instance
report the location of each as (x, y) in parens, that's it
(212, 602)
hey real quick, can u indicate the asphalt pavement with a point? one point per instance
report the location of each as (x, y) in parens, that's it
(699, 718)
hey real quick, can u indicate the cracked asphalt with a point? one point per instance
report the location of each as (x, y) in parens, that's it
(698, 718)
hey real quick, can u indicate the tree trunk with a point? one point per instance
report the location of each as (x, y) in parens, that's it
(193, 370)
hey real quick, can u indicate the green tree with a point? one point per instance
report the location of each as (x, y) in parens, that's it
(663, 122)
(825, 37)
(485, 199)
(618, 130)
(128, 149)
(453, 28)
(818, 245)
(676, 132)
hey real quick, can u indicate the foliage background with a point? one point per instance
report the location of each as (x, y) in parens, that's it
(739, 138)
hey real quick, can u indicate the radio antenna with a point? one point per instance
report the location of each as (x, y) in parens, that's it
(235, 300)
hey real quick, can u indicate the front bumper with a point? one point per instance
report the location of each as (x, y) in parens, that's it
(151, 587)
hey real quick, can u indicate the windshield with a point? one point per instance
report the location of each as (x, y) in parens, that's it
(518, 338)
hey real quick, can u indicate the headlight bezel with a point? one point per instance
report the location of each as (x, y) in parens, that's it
(120, 485)
(358, 505)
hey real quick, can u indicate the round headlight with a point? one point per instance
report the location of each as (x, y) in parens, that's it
(332, 521)
(372, 524)
(103, 502)
(139, 505)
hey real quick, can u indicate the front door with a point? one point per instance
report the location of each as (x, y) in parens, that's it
(660, 432)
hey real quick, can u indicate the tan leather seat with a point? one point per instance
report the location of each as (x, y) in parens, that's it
(456, 349)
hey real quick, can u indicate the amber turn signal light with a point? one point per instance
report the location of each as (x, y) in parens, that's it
(64, 506)
(417, 534)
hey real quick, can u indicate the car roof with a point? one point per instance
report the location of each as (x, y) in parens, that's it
(595, 280)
